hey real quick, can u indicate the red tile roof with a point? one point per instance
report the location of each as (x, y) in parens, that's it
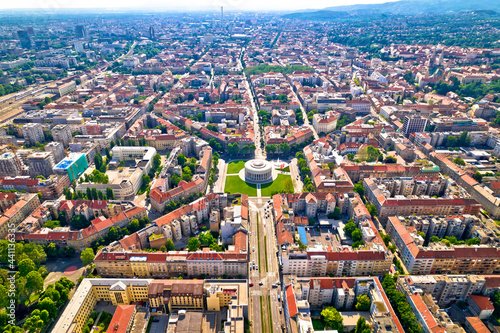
(121, 319)
(482, 302)
(291, 302)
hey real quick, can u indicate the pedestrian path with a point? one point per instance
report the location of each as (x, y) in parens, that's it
(259, 194)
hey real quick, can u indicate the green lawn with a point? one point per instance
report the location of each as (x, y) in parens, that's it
(234, 184)
(318, 325)
(235, 167)
(277, 185)
(286, 169)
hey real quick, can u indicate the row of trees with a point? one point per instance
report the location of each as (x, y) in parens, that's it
(265, 68)
(282, 148)
(305, 173)
(116, 233)
(89, 194)
(399, 303)
(173, 205)
(463, 140)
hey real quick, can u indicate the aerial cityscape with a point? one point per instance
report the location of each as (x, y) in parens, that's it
(218, 168)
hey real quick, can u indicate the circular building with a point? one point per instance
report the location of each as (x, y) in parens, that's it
(258, 171)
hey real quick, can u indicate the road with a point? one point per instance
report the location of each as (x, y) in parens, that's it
(263, 236)
(304, 115)
(221, 177)
(259, 152)
(295, 173)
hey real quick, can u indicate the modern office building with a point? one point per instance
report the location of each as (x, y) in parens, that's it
(80, 31)
(413, 125)
(74, 165)
(24, 38)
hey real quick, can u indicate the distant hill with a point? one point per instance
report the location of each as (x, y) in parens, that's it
(403, 7)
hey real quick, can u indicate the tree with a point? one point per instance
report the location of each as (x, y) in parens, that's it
(356, 235)
(49, 305)
(478, 177)
(362, 303)
(187, 175)
(233, 148)
(459, 161)
(110, 194)
(390, 159)
(362, 326)
(349, 228)
(284, 148)
(26, 266)
(193, 244)
(270, 149)
(333, 319)
(34, 281)
(358, 188)
(181, 160)
(87, 256)
(170, 245)
(4, 299)
(372, 209)
(335, 214)
(451, 141)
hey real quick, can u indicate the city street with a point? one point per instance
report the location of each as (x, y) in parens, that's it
(263, 236)
(304, 114)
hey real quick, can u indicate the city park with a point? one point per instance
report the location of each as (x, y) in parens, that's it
(258, 178)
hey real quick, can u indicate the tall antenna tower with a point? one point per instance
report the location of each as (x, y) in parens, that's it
(222, 16)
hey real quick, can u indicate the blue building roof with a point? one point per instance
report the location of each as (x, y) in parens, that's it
(302, 235)
(64, 164)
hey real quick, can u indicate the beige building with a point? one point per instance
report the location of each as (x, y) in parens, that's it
(18, 212)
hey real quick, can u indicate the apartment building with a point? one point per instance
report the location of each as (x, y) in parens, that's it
(9, 165)
(325, 123)
(62, 133)
(387, 205)
(232, 262)
(82, 239)
(91, 291)
(321, 262)
(445, 289)
(359, 172)
(305, 293)
(20, 210)
(437, 258)
(41, 163)
(33, 133)
(164, 296)
(326, 179)
(57, 150)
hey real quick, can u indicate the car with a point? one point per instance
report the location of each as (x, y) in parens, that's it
(261, 283)
(253, 249)
(250, 284)
(275, 286)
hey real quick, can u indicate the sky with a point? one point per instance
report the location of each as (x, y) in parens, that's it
(184, 5)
